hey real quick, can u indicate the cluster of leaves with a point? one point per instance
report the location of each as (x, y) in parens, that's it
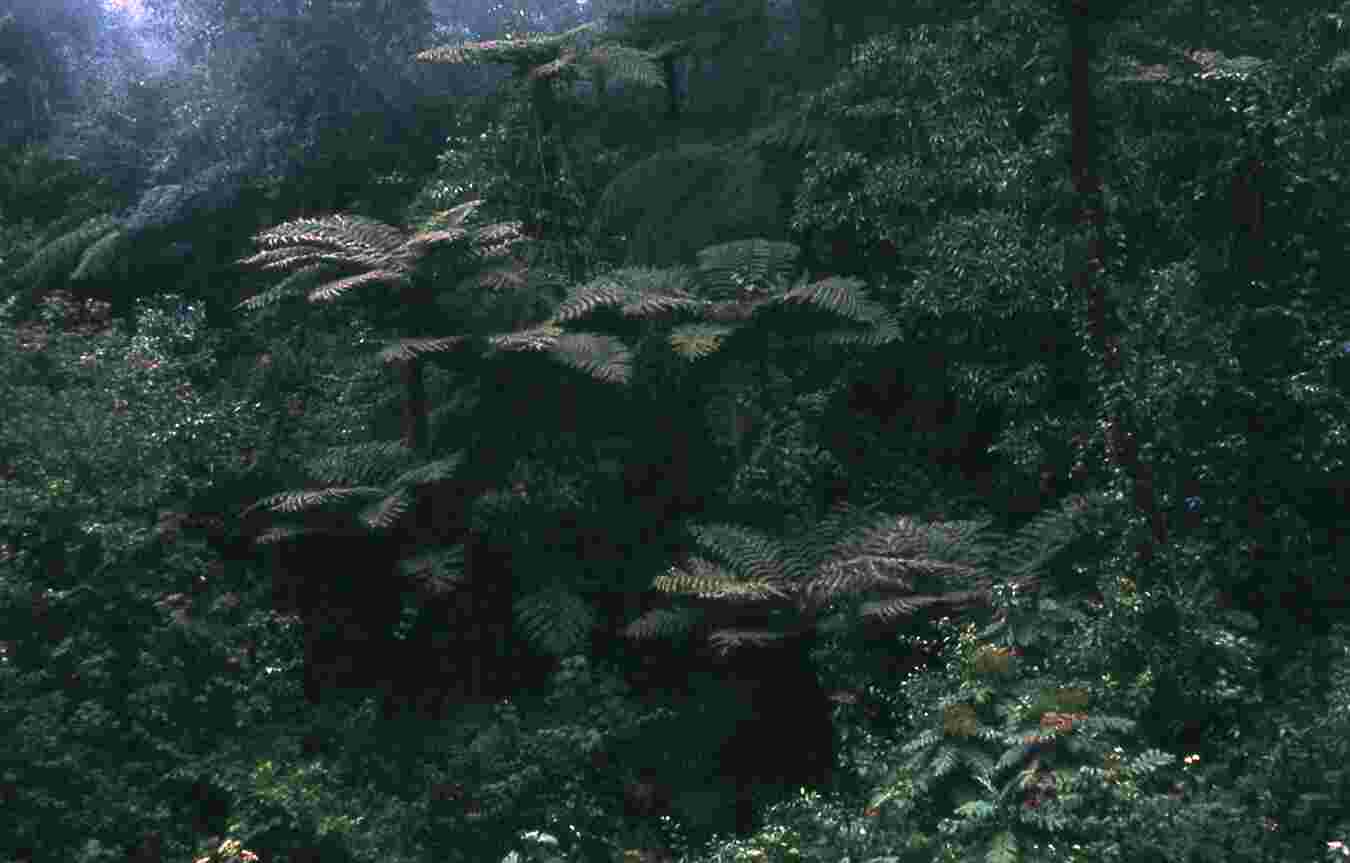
(480, 785)
(119, 639)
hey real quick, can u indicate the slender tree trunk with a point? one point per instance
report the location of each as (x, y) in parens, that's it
(672, 93)
(414, 405)
(1122, 447)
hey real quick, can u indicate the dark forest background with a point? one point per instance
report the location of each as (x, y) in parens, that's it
(695, 430)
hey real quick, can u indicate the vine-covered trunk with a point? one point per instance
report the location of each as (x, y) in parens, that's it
(1122, 448)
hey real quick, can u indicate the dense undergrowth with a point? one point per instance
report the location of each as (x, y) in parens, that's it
(1093, 704)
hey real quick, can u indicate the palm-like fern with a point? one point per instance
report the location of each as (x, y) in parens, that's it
(853, 566)
(67, 252)
(323, 253)
(553, 55)
(376, 487)
(739, 286)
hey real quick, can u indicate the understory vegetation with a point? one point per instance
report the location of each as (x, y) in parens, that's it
(679, 431)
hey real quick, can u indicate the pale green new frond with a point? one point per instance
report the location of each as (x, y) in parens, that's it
(695, 341)
(710, 582)
(384, 513)
(604, 358)
(409, 349)
(555, 620)
(663, 623)
(360, 463)
(730, 268)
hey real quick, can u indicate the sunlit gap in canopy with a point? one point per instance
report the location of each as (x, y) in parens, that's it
(133, 8)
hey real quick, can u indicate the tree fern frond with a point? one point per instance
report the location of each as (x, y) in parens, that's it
(727, 640)
(333, 290)
(299, 501)
(600, 293)
(628, 64)
(886, 333)
(604, 358)
(1031, 549)
(637, 292)
(979, 761)
(350, 234)
(945, 761)
(293, 285)
(890, 609)
(696, 341)
(522, 52)
(556, 620)
(359, 463)
(925, 739)
(437, 572)
(404, 350)
(794, 134)
(422, 240)
(384, 513)
(281, 533)
(541, 338)
(663, 623)
(730, 268)
(499, 239)
(459, 214)
(59, 256)
(97, 260)
(844, 297)
(555, 67)
(709, 586)
(440, 470)
(746, 551)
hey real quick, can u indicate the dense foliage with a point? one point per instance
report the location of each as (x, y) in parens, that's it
(732, 433)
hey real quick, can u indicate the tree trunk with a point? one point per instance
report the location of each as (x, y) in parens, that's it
(1122, 447)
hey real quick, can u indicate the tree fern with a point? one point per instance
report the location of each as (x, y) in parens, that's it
(58, 257)
(435, 572)
(666, 623)
(556, 620)
(849, 553)
(863, 567)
